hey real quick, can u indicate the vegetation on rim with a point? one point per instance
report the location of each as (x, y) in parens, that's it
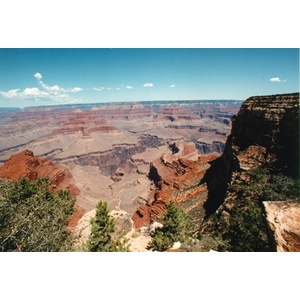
(101, 238)
(244, 229)
(175, 229)
(33, 218)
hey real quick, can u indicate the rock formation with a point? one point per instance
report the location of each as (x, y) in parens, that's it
(270, 125)
(175, 179)
(264, 133)
(25, 164)
(283, 220)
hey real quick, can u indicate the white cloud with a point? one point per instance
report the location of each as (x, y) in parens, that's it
(33, 92)
(128, 87)
(148, 84)
(172, 86)
(277, 79)
(76, 90)
(45, 92)
(10, 94)
(55, 89)
(38, 76)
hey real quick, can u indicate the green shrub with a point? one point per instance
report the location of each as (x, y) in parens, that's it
(246, 230)
(175, 228)
(33, 218)
(103, 227)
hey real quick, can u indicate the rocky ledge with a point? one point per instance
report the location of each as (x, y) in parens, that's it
(283, 219)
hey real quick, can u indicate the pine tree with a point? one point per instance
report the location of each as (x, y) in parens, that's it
(101, 238)
(33, 218)
(175, 228)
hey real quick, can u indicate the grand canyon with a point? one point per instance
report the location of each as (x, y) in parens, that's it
(139, 156)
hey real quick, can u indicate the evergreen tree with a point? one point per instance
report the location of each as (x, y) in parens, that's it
(101, 238)
(33, 218)
(175, 228)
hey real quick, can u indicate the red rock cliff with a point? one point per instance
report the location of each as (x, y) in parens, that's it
(25, 164)
(176, 179)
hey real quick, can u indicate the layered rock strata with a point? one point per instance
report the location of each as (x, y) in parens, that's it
(264, 133)
(270, 124)
(25, 164)
(174, 179)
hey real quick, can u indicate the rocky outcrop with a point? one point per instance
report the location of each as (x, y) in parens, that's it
(137, 240)
(271, 124)
(283, 220)
(84, 122)
(265, 132)
(214, 147)
(175, 179)
(25, 164)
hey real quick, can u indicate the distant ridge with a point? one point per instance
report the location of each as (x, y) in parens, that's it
(150, 102)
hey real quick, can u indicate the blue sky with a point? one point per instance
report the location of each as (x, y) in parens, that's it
(44, 76)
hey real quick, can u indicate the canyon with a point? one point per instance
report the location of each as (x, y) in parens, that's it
(108, 148)
(140, 156)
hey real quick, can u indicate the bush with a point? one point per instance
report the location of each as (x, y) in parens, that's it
(246, 230)
(33, 218)
(175, 228)
(101, 237)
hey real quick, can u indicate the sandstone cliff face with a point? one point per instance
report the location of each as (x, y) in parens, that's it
(25, 164)
(175, 179)
(264, 133)
(270, 125)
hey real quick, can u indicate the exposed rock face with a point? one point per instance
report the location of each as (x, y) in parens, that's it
(175, 179)
(84, 122)
(214, 147)
(264, 133)
(271, 123)
(24, 164)
(283, 220)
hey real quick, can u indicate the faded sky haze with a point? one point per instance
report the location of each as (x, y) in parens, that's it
(43, 76)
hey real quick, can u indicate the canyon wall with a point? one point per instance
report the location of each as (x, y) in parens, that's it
(265, 133)
(272, 124)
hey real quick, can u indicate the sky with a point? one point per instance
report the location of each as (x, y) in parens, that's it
(52, 76)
